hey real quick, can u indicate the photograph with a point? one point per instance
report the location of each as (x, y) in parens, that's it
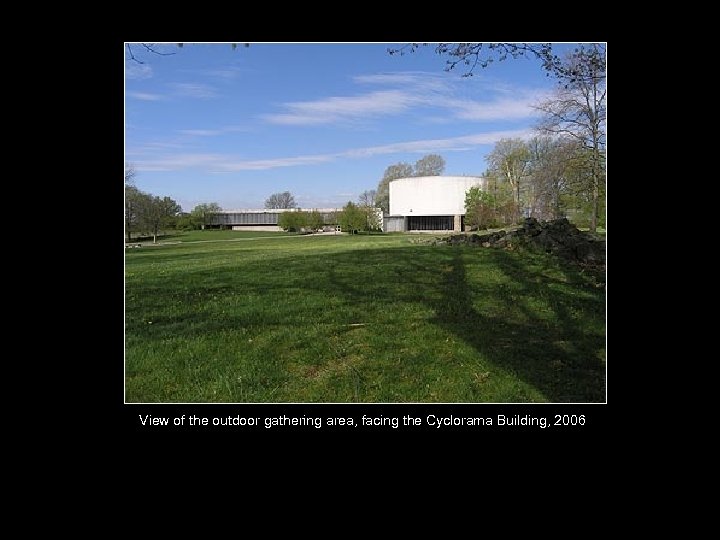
(365, 223)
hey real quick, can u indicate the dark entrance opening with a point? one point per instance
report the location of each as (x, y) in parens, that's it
(430, 223)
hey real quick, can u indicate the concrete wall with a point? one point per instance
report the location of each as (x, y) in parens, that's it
(431, 195)
(394, 224)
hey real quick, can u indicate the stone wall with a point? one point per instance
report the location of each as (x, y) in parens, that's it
(559, 237)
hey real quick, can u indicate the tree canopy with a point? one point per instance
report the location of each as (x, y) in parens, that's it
(281, 200)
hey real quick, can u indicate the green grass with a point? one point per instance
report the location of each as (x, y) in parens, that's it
(213, 234)
(359, 319)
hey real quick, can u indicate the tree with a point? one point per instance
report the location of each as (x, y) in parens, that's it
(430, 165)
(373, 218)
(130, 174)
(157, 213)
(472, 55)
(202, 214)
(134, 203)
(293, 221)
(281, 200)
(479, 208)
(367, 198)
(352, 218)
(152, 48)
(315, 220)
(510, 158)
(552, 175)
(393, 172)
(578, 109)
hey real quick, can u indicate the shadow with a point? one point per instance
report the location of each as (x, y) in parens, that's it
(557, 355)
(525, 314)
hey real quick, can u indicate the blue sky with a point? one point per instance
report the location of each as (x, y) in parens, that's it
(323, 121)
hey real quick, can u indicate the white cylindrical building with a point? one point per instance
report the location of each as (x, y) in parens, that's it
(429, 202)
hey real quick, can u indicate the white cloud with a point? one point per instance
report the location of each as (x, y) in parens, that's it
(145, 96)
(334, 109)
(200, 132)
(194, 90)
(133, 70)
(407, 90)
(226, 163)
(212, 132)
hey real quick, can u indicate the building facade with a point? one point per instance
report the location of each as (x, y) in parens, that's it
(266, 219)
(429, 203)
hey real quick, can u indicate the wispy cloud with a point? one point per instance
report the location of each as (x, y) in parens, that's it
(405, 91)
(226, 163)
(200, 132)
(133, 70)
(212, 132)
(499, 109)
(335, 109)
(194, 90)
(145, 96)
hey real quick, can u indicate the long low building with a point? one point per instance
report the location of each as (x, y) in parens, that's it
(429, 203)
(265, 219)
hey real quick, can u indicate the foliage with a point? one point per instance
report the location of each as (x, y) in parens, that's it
(158, 213)
(315, 220)
(373, 218)
(353, 218)
(578, 110)
(430, 165)
(479, 208)
(202, 214)
(293, 221)
(280, 200)
(393, 172)
(134, 202)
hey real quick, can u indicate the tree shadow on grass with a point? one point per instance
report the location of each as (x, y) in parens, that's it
(523, 313)
(557, 354)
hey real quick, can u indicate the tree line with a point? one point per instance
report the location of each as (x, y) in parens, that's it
(149, 215)
(562, 170)
(146, 213)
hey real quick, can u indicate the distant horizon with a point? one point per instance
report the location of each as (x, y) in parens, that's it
(322, 121)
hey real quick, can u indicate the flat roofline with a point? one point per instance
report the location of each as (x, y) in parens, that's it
(277, 210)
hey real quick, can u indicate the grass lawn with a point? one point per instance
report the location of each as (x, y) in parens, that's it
(359, 319)
(214, 234)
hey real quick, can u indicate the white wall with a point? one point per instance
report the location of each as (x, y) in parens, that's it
(431, 195)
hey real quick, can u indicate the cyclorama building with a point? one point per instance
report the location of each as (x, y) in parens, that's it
(429, 203)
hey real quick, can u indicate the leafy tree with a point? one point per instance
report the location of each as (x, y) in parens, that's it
(510, 158)
(280, 200)
(158, 213)
(134, 203)
(315, 220)
(393, 172)
(430, 165)
(479, 208)
(578, 110)
(202, 214)
(373, 218)
(293, 221)
(352, 218)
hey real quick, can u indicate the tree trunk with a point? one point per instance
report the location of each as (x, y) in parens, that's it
(594, 216)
